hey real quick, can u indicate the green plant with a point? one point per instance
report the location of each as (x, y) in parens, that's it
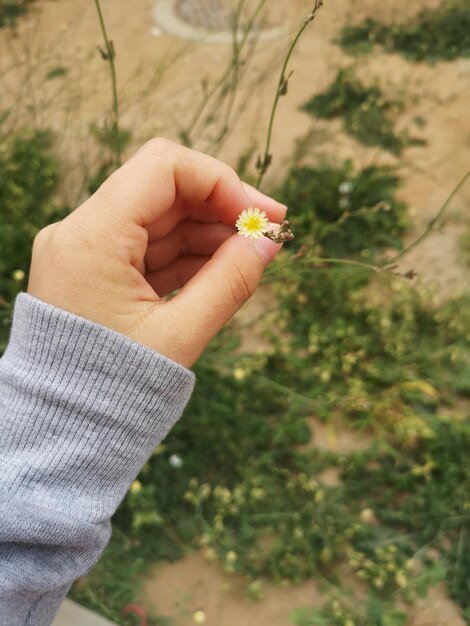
(11, 10)
(464, 247)
(108, 54)
(435, 34)
(105, 137)
(28, 176)
(219, 97)
(344, 613)
(387, 360)
(345, 211)
(368, 115)
(264, 161)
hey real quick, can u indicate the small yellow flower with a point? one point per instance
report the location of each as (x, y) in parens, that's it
(231, 556)
(239, 373)
(210, 554)
(252, 223)
(18, 275)
(136, 486)
(368, 516)
(199, 617)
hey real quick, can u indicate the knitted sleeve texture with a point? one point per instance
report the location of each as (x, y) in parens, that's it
(81, 410)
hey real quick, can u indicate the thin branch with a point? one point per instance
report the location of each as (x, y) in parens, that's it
(238, 47)
(333, 261)
(109, 55)
(430, 227)
(265, 161)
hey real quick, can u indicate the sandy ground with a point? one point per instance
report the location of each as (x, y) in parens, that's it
(181, 589)
(160, 84)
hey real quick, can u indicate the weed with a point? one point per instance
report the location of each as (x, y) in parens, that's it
(386, 359)
(368, 115)
(28, 176)
(108, 54)
(264, 161)
(322, 198)
(11, 10)
(434, 35)
(464, 247)
(105, 137)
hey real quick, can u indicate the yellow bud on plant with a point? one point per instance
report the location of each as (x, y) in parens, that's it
(199, 617)
(136, 486)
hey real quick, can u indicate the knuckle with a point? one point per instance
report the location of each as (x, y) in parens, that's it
(240, 287)
(42, 237)
(160, 145)
(228, 171)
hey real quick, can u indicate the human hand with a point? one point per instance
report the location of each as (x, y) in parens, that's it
(163, 221)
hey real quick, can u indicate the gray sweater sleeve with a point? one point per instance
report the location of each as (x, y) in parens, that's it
(81, 409)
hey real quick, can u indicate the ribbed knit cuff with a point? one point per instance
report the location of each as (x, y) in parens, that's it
(82, 407)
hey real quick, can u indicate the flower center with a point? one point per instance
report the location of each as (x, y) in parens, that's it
(253, 223)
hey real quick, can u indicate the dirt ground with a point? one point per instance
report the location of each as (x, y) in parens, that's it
(181, 589)
(160, 83)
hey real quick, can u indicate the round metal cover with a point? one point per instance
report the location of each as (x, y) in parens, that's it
(210, 21)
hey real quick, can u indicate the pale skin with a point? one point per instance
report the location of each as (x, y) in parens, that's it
(163, 221)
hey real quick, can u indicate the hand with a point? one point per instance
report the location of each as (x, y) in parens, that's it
(163, 221)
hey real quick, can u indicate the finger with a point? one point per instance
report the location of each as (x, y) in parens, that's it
(202, 213)
(179, 213)
(188, 238)
(175, 275)
(161, 172)
(221, 287)
(167, 222)
(275, 210)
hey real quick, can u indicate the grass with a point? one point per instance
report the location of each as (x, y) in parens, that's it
(441, 34)
(368, 115)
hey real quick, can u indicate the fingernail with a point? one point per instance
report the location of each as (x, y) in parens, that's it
(267, 249)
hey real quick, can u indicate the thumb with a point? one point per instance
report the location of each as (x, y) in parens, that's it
(211, 298)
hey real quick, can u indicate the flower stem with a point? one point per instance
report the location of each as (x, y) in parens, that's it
(431, 225)
(227, 76)
(265, 160)
(109, 55)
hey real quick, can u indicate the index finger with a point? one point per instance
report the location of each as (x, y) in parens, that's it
(161, 172)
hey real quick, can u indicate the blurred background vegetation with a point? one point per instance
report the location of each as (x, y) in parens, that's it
(347, 341)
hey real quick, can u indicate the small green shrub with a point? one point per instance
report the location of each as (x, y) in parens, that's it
(368, 115)
(28, 177)
(343, 210)
(434, 35)
(344, 612)
(11, 10)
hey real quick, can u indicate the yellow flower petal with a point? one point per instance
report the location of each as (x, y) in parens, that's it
(252, 223)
